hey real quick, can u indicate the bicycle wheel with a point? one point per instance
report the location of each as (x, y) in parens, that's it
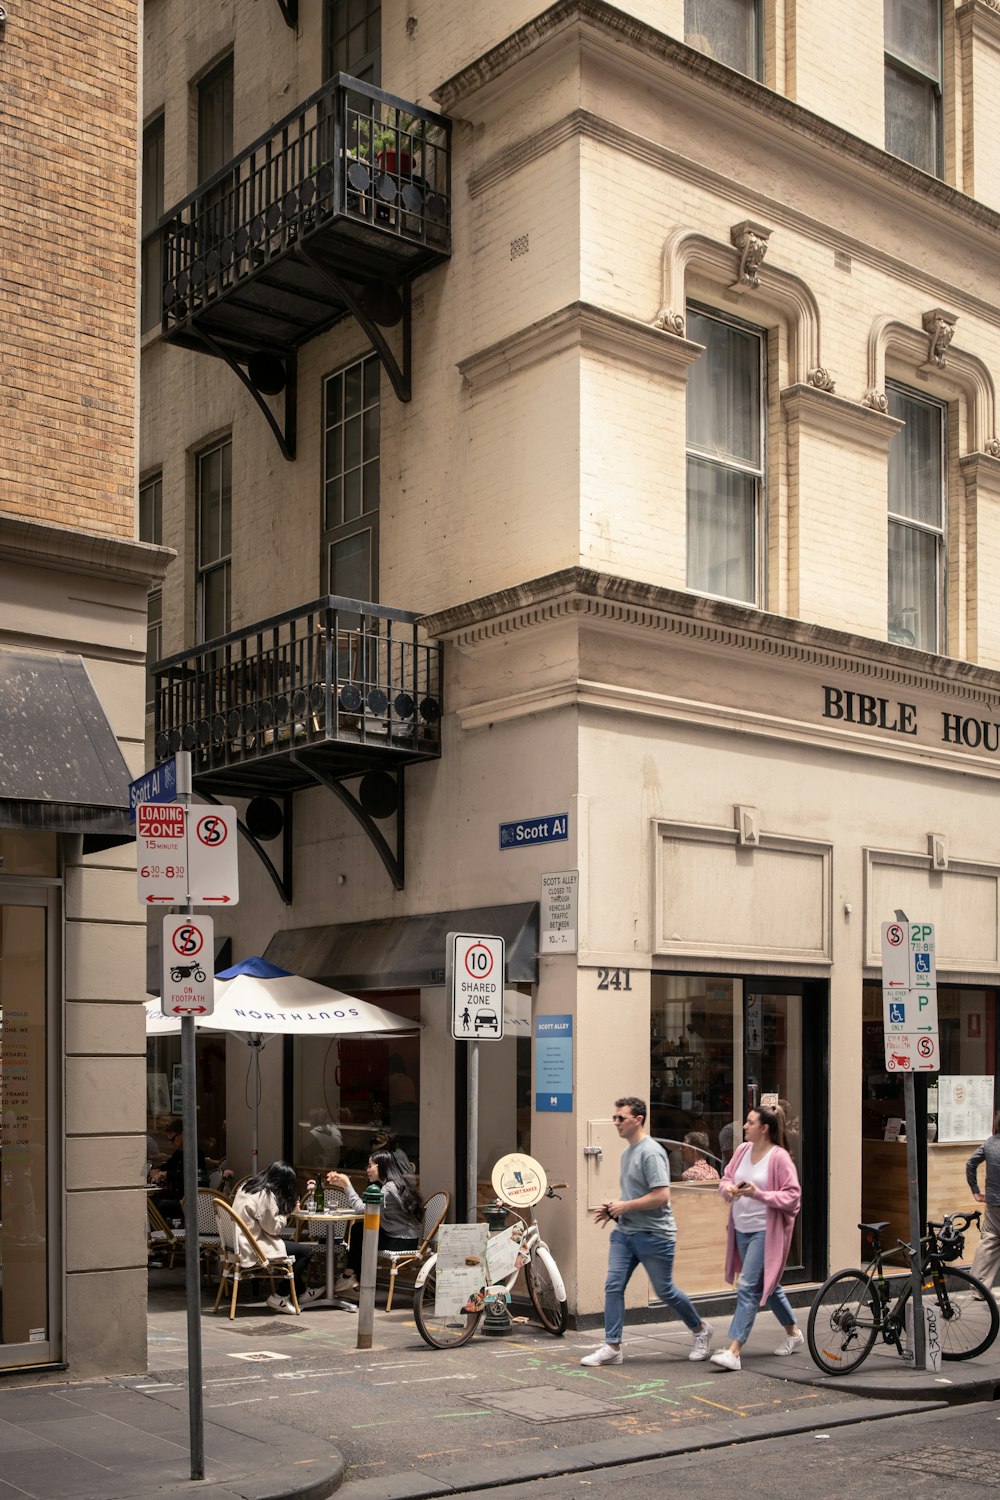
(843, 1321)
(441, 1330)
(967, 1314)
(550, 1307)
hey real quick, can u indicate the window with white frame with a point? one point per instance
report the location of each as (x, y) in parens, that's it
(151, 530)
(917, 456)
(728, 30)
(725, 458)
(913, 71)
(214, 527)
(351, 423)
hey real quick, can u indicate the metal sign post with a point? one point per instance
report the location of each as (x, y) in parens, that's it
(912, 1045)
(474, 973)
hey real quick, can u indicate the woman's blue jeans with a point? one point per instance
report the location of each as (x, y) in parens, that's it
(656, 1255)
(750, 1286)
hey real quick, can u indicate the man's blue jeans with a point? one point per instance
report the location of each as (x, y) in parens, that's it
(656, 1255)
(750, 1286)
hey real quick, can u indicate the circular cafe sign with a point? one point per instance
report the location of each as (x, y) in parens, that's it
(519, 1180)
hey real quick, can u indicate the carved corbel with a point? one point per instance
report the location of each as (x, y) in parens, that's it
(751, 241)
(939, 325)
(992, 447)
(821, 379)
(937, 848)
(747, 824)
(670, 321)
(875, 399)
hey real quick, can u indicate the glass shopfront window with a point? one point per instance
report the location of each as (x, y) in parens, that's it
(164, 1102)
(27, 1240)
(348, 1091)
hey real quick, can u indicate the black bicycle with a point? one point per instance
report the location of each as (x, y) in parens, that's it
(852, 1308)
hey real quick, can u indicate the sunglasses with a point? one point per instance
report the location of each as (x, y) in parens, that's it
(617, 1119)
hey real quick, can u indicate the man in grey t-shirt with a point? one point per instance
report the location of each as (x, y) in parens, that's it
(644, 1234)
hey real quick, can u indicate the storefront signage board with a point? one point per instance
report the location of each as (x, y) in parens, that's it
(474, 973)
(909, 998)
(188, 985)
(560, 904)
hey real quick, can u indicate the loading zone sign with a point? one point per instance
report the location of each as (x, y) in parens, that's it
(474, 970)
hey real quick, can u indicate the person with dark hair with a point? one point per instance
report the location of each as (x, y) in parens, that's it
(400, 1225)
(386, 1140)
(264, 1203)
(644, 1234)
(761, 1186)
(986, 1262)
(171, 1174)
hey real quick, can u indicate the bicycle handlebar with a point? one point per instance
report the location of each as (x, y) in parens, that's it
(949, 1221)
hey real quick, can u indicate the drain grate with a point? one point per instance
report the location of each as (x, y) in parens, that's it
(260, 1356)
(541, 1403)
(281, 1330)
(940, 1459)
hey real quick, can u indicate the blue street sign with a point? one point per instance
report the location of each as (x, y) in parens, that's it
(159, 785)
(897, 1013)
(554, 1064)
(552, 829)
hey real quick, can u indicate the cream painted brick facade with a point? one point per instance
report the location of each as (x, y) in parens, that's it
(534, 509)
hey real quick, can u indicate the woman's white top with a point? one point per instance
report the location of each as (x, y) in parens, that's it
(749, 1214)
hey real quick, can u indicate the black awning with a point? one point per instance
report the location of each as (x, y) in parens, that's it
(61, 770)
(404, 952)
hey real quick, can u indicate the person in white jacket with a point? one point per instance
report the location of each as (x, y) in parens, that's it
(264, 1203)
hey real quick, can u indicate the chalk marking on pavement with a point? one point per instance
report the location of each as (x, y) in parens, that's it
(401, 1364)
(388, 1422)
(438, 1416)
(696, 1385)
(734, 1410)
(425, 1379)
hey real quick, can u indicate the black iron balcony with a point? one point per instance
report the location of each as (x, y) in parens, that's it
(331, 690)
(335, 210)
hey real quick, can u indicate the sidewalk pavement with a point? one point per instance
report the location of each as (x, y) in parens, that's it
(294, 1409)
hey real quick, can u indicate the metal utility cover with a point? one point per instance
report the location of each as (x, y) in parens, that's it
(260, 1356)
(272, 1333)
(542, 1403)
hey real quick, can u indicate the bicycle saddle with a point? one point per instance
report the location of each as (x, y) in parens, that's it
(876, 1228)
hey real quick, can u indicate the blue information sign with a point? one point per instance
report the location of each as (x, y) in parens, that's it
(554, 1064)
(159, 785)
(552, 829)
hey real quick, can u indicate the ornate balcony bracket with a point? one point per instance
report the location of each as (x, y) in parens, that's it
(400, 376)
(267, 375)
(393, 861)
(283, 882)
(290, 10)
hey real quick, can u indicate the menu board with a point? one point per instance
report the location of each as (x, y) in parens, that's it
(965, 1107)
(460, 1273)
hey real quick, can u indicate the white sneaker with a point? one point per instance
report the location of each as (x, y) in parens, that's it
(725, 1359)
(312, 1294)
(605, 1355)
(701, 1342)
(281, 1304)
(793, 1342)
(346, 1283)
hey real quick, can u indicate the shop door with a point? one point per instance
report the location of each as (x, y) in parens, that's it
(29, 1115)
(784, 1052)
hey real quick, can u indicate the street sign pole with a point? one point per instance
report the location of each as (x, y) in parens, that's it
(192, 1249)
(913, 1193)
(474, 977)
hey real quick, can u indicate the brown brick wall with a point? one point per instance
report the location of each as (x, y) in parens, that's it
(68, 143)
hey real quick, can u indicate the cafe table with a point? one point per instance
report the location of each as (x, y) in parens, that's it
(343, 1216)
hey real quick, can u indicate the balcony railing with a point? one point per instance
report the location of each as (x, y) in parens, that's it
(349, 684)
(362, 177)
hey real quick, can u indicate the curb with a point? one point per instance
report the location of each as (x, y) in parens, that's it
(616, 1452)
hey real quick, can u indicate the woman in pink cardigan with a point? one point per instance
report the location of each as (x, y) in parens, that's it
(761, 1186)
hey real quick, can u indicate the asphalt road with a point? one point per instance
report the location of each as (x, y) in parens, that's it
(957, 1449)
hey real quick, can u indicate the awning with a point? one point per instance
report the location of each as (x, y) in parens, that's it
(61, 770)
(404, 952)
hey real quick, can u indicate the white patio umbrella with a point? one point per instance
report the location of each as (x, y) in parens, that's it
(258, 1001)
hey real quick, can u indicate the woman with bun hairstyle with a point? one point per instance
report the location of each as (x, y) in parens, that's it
(761, 1186)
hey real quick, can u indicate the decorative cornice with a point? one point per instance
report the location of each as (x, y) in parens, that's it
(826, 412)
(609, 25)
(980, 19)
(624, 602)
(40, 544)
(981, 471)
(581, 325)
(910, 345)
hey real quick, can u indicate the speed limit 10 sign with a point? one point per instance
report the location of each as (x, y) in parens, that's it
(474, 975)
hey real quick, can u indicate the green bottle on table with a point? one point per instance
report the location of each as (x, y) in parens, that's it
(320, 1197)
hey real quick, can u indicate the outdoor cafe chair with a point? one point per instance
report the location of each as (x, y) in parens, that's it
(277, 1271)
(208, 1230)
(334, 1201)
(161, 1237)
(435, 1213)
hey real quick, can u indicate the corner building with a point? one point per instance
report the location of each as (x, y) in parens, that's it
(588, 413)
(73, 589)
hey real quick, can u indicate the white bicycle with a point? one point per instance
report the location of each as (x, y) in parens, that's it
(541, 1274)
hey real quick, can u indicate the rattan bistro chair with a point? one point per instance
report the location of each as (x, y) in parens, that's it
(161, 1238)
(209, 1241)
(435, 1212)
(277, 1271)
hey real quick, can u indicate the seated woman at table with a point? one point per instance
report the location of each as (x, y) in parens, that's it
(400, 1225)
(264, 1203)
